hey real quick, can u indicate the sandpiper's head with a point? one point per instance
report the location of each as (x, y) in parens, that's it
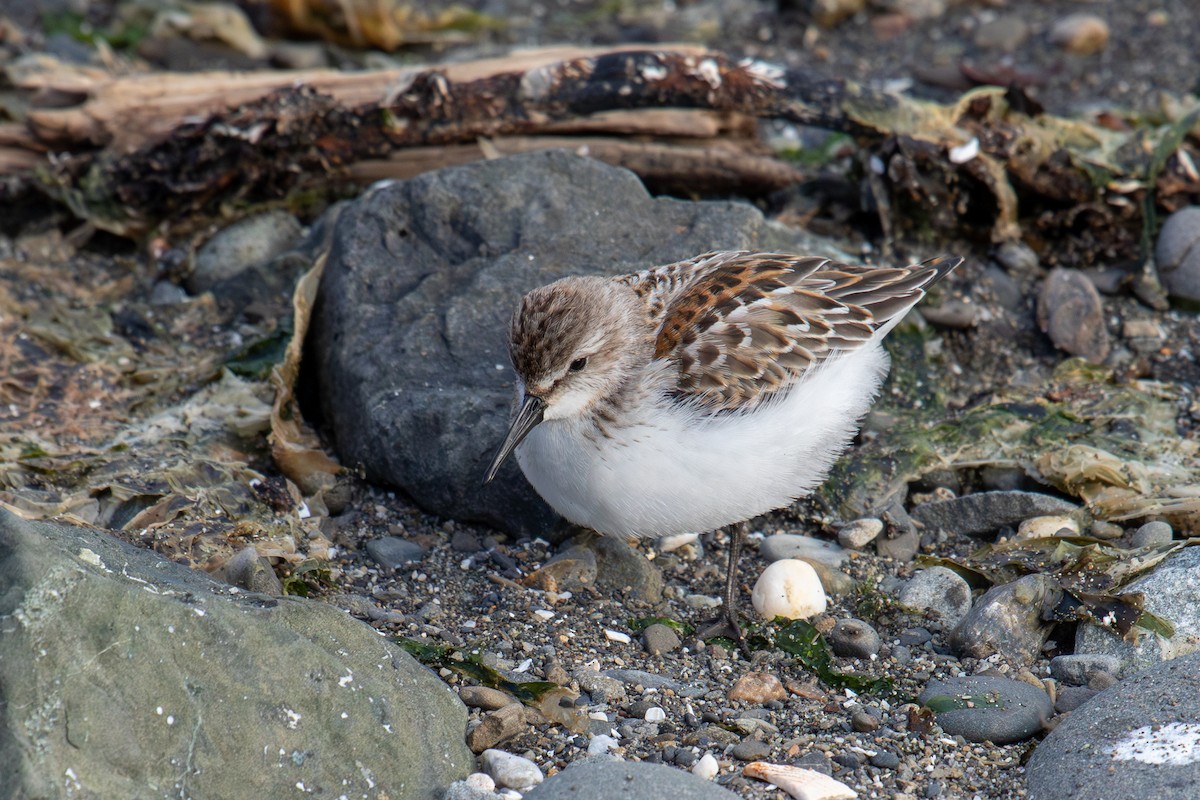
(572, 343)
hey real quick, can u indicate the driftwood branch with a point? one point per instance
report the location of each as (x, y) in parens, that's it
(976, 167)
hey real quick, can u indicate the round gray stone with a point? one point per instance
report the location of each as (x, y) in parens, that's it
(1009, 620)
(1152, 533)
(1077, 669)
(794, 545)
(853, 638)
(1178, 253)
(940, 591)
(659, 639)
(987, 708)
(599, 778)
(243, 244)
(1138, 738)
(393, 552)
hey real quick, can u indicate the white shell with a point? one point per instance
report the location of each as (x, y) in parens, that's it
(800, 783)
(707, 767)
(788, 588)
(1039, 527)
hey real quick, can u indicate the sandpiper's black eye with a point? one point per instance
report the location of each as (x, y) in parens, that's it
(578, 364)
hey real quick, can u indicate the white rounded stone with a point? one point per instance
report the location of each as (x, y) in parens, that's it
(481, 781)
(511, 771)
(707, 767)
(860, 533)
(788, 588)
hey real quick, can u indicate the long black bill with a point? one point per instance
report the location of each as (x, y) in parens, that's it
(526, 420)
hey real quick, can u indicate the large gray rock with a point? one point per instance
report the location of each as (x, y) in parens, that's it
(125, 675)
(1139, 738)
(987, 708)
(983, 513)
(1172, 591)
(609, 779)
(410, 327)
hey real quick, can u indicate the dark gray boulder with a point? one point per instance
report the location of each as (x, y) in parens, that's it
(409, 333)
(606, 778)
(125, 675)
(1138, 738)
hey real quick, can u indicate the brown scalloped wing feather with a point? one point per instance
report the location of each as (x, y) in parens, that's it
(749, 324)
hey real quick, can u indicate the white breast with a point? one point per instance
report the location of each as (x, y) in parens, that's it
(674, 471)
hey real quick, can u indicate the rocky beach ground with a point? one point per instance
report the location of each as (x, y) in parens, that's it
(1032, 456)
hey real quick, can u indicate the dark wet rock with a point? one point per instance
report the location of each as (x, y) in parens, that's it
(912, 637)
(1072, 697)
(885, 759)
(247, 570)
(1008, 620)
(1077, 669)
(853, 638)
(1178, 253)
(987, 708)
(1152, 533)
(409, 345)
(982, 513)
(1136, 739)
(1070, 313)
(101, 637)
(393, 552)
(751, 750)
(940, 592)
(596, 778)
(816, 761)
(244, 244)
(1172, 592)
(659, 639)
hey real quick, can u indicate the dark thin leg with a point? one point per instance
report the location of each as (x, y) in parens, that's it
(727, 624)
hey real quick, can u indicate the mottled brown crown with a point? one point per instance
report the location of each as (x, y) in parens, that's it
(549, 327)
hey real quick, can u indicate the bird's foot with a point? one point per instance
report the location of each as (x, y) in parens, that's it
(725, 626)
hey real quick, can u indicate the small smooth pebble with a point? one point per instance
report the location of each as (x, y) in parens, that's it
(1080, 33)
(601, 743)
(1070, 313)
(707, 767)
(655, 714)
(510, 771)
(751, 750)
(788, 588)
(885, 759)
(1152, 533)
(481, 781)
(617, 636)
(658, 639)
(793, 545)
(940, 591)
(393, 552)
(1044, 527)
(860, 533)
(914, 637)
(1178, 253)
(853, 638)
(757, 688)
(864, 722)
(1077, 669)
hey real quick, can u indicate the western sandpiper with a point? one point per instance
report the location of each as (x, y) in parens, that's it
(699, 394)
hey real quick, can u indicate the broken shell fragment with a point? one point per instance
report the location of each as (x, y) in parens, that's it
(800, 783)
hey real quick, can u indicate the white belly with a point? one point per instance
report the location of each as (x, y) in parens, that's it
(675, 472)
